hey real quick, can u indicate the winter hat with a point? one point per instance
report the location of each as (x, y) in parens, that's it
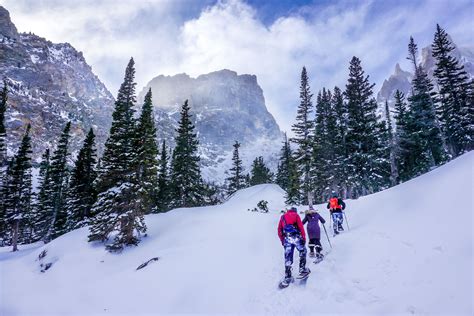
(293, 209)
(334, 194)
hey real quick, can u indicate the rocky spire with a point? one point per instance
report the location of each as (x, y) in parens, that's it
(7, 28)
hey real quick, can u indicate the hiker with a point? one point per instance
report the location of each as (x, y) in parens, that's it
(312, 217)
(292, 235)
(336, 205)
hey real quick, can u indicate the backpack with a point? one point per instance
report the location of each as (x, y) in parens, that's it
(334, 204)
(289, 229)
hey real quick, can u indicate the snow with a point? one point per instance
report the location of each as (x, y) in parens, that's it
(409, 251)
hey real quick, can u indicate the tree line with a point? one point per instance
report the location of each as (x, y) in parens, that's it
(111, 195)
(340, 144)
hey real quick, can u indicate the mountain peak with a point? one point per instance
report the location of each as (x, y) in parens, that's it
(7, 28)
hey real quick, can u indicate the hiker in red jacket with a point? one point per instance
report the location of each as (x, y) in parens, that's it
(292, 235)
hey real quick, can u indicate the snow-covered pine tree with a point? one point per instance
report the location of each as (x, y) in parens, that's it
(41, 214)
(260, 173)
(237, 178)
(5, 234)
(186, 181)
(147, 156)
(362, 143)
(3, 132)
(454, 109)
(58, 186)
(118, 207)
(425, 140)
(82, 195)
(18, 193)
(339, 165)
(391, 147)
(287, 176)
(303, 135)
(163, 192)
(323, 153)
(405, 160)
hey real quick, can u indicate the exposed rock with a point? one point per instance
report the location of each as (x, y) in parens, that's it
(226, 107)
(50, 84)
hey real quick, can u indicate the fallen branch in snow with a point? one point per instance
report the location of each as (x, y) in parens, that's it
(146, 263)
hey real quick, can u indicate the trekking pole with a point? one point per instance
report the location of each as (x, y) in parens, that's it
(347, 223)
(324, 226)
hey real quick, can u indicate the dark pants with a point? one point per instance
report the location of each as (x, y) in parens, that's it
(290, 243)
(315, 243)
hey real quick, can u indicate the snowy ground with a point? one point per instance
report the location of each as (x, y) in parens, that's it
(409, 251)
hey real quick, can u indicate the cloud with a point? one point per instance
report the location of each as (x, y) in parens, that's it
(169, 37)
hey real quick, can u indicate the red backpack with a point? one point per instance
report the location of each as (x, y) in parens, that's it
(334, 204)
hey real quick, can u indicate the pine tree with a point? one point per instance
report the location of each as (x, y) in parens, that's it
(364, 164)
(82, 194)
(5, 233)
(163, 190)
(119, 205)
(323, 151)
(260, 173)
(339, 165)
(3, 133)
(57, 186)
(237, 177)
(147, 154)
(454, 108)
(185, 172)
(391, 147)
(425, 138)
(41, 215)
(283, 169)
(19, 191)
(303, 138)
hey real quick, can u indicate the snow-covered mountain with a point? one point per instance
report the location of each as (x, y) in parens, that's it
(49, 84)
(226, 107)
(406, 253)
(401, 79)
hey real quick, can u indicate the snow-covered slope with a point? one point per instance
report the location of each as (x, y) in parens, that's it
(409, 251)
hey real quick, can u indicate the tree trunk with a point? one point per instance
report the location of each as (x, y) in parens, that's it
(16, 225)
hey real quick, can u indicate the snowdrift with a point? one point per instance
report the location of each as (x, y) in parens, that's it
(409, 251)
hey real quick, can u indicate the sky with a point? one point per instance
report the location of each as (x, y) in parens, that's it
(271, 39)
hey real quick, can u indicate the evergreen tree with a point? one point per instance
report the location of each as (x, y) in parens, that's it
(425, 140)
(3, 132)
(5, 233)
(303, 138)
(364, 164)
(41, 215)
(237, 177)
(57, 186)
(391, 147)
(163, 190)
(454, 109)
(185, 173)
(119, 207)
(82, 194)
(323, 150)
(405, 159)
(339, 164)
(147, 155)
(284, 166)
(17, 206)
(260, 173)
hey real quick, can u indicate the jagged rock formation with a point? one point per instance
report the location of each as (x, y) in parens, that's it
(225, 107)
(401, 79)
(49, 84)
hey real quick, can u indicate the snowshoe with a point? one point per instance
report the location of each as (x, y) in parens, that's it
(304, 273)
(340, 228)
(312, 255)
(286, 282)
(319, 258)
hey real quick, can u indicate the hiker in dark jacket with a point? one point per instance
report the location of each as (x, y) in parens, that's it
(336, 205)
(313, 218)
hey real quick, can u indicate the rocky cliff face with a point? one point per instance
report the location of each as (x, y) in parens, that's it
(226, 107)
(49, 84)
(401, 79)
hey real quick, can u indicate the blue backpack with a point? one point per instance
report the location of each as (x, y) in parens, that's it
(289, 229)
